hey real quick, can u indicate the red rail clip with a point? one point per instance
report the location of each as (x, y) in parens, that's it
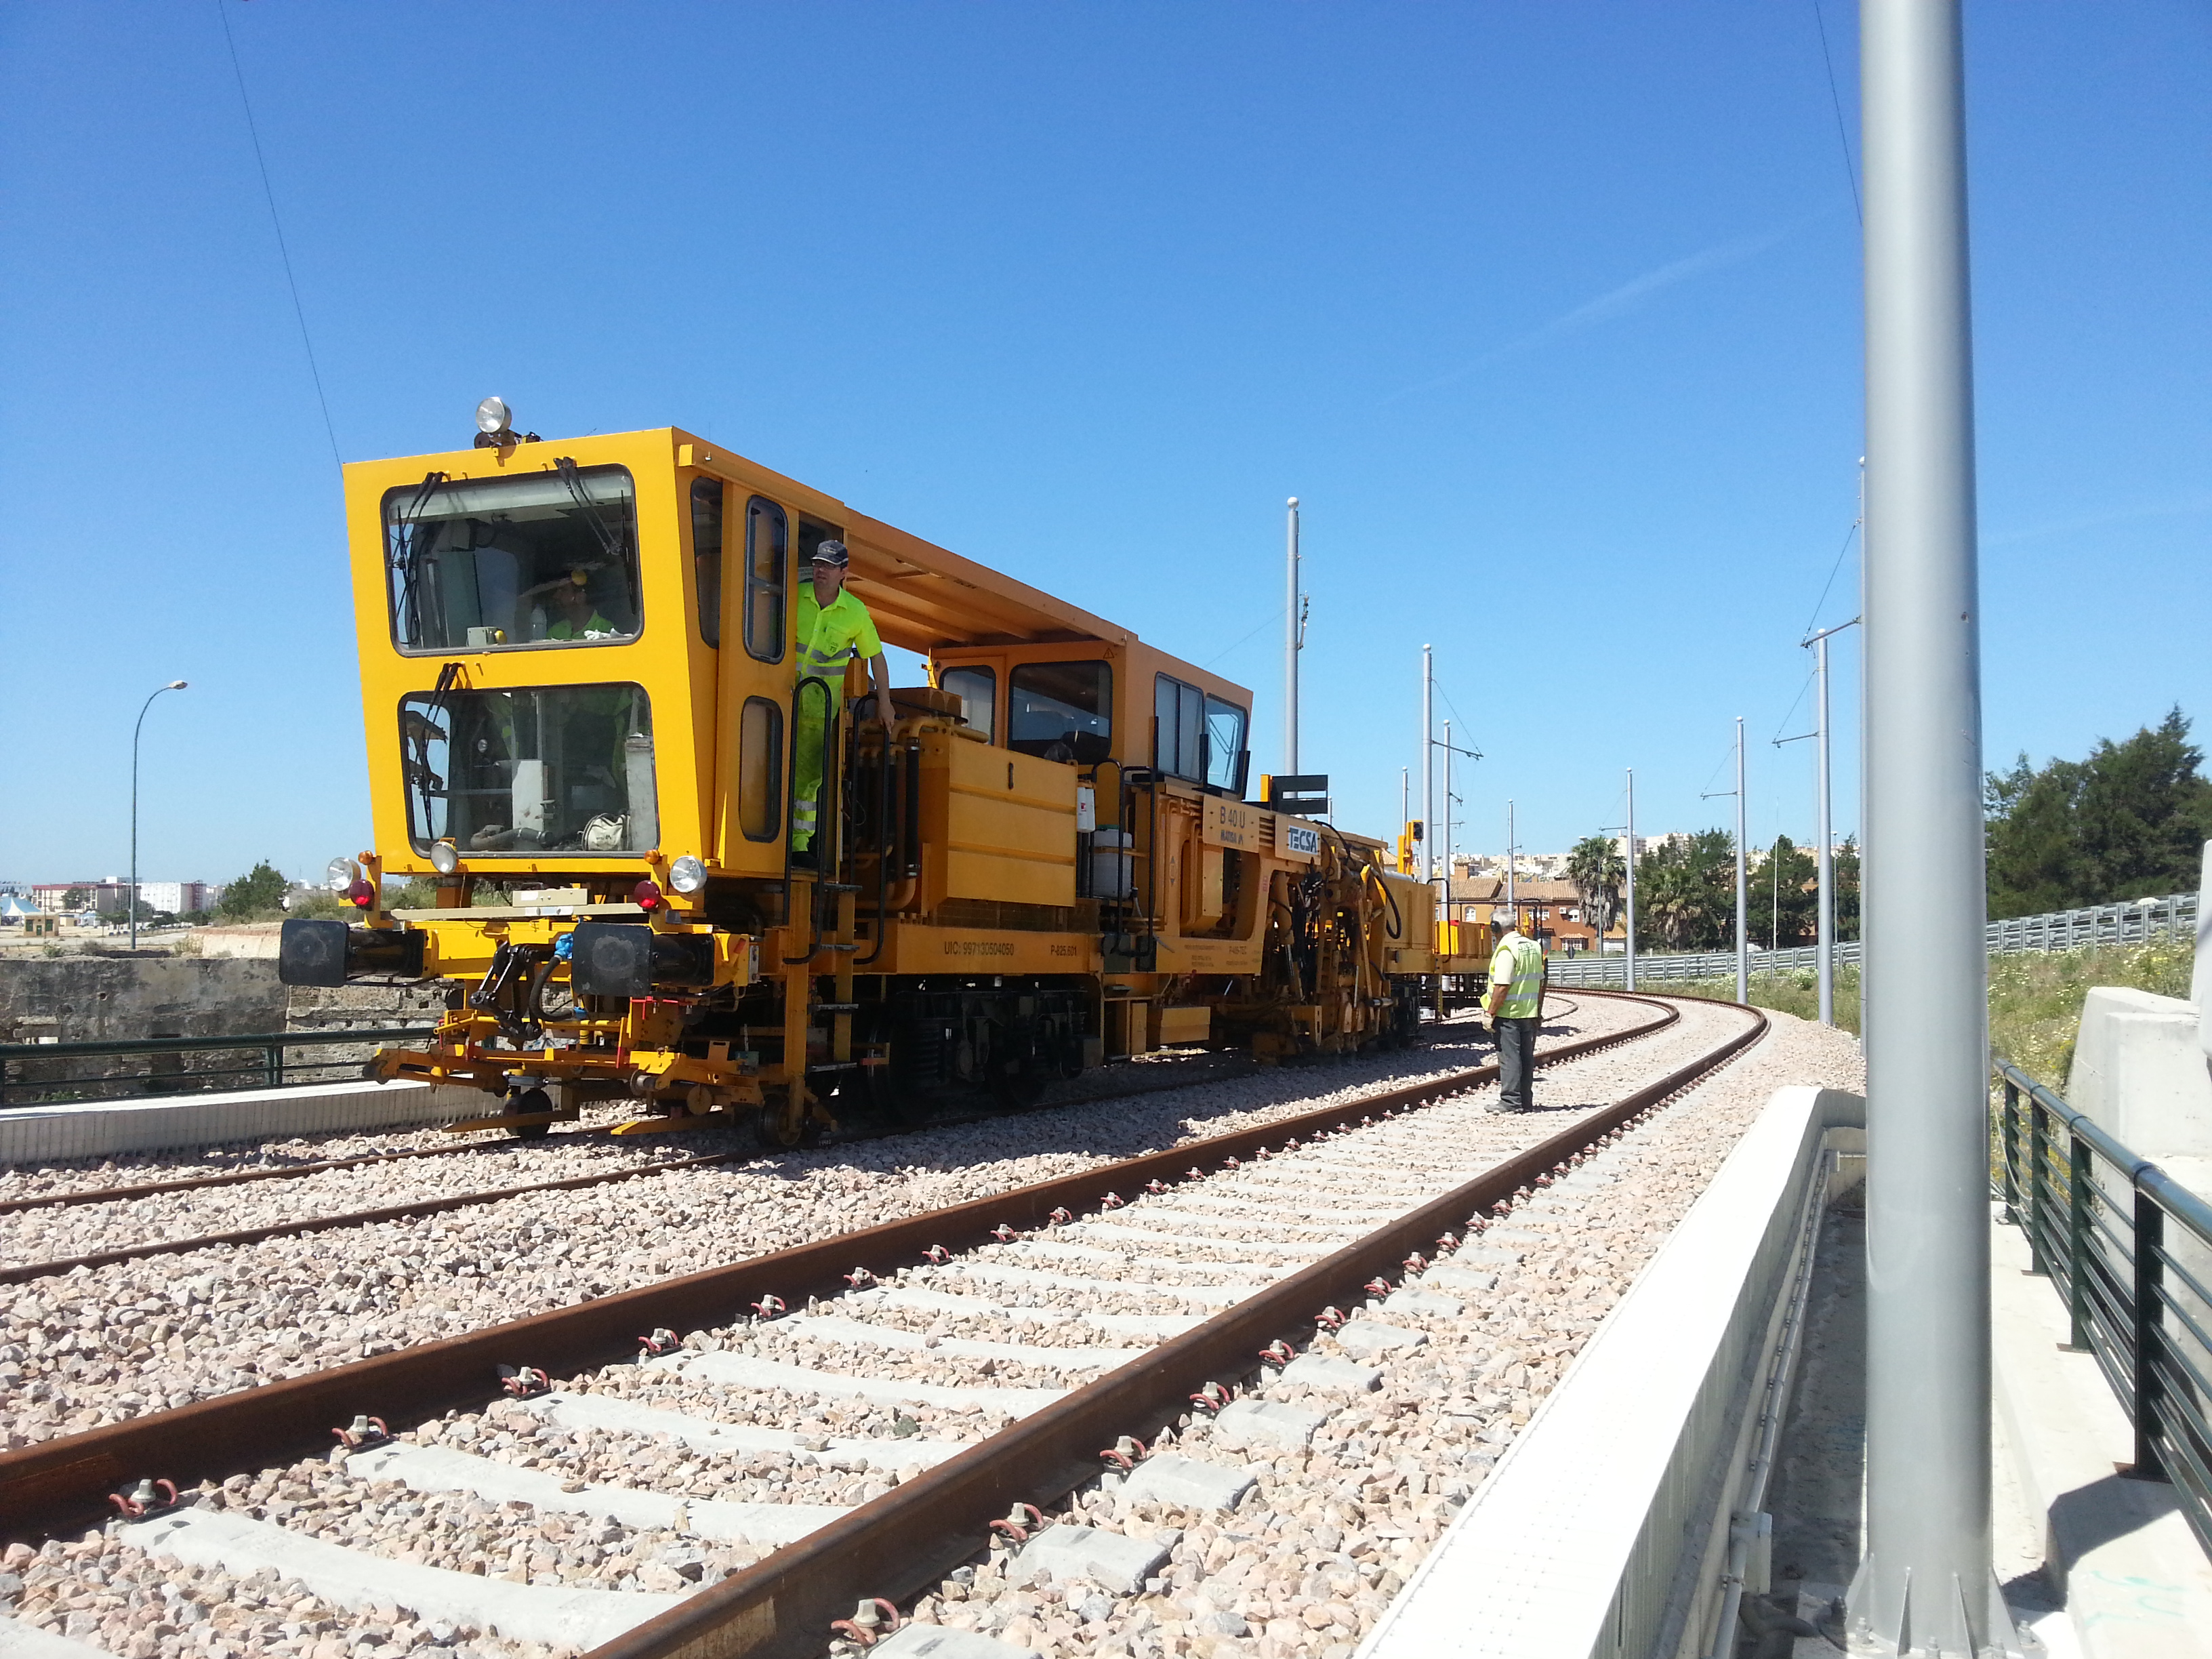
(937, 1254)
(526, 1380)
(144, 1499)
(1124, 1452)
(663, 1341)
(1211, 1398)
(858, 1277)
(1376, 1286)
(1112, 1201)
(1156, 1186)
(768, 1307)
(1004, 1234)
(365, 1431)
(1329, 1319)
(1415, 1263)
(1059, 1217)
(871, 1620)
(1280, 1352)
(1014, 1528)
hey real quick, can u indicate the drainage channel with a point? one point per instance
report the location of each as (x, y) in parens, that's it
(1160, 1287)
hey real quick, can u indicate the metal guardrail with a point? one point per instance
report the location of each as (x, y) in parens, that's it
(2129, 1248)
(2134, 923)
(271, 1070)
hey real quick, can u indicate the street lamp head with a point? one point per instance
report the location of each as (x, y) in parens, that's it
(175, 685)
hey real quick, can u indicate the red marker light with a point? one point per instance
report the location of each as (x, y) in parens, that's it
(360, 894)
(646, 895)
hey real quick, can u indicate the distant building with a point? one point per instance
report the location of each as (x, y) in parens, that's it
(179, 897)
(114, 893)
(1551, 910)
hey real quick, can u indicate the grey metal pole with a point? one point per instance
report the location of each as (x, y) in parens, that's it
(1742, 893)
(1825, 923)
(1447, 840)
(1925, 1581)
(1428, 771)
(1630, 861)
(1293, 641)
(1509, 895)
(1405, 796)
(174, 685)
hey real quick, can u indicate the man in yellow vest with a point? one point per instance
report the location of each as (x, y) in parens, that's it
(1516, 1009)
(833, 628)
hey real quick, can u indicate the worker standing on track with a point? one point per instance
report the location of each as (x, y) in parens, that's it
(1516, 1008)
(833, 628)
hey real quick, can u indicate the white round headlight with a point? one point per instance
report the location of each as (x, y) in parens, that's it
(443, 858)
(339, 875)
(493, 415)
(687, 874)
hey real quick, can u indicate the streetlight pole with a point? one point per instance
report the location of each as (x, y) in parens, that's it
(1925, 1581)
(174, 685)
(1428, 768)
(1742, 893)
(1630, 862)
(1824, 923)
(1510, 848)
(1294, 639)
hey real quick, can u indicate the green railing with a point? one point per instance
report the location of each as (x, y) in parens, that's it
(2130, 1249)
(24, 1067)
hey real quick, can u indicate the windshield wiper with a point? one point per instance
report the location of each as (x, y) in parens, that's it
(611, 543)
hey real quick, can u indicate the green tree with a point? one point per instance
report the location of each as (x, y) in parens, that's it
(1845, 869)
(75, 899)
(1785, 895)
(258, 893)
(2128, 821)
(1686, 892)
(1595, 868)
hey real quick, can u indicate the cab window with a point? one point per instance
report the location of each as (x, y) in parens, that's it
(1179, 723)
(707, 554)
(1060, 710)
(768, 550)
(1224, 745)
(978, 691)
(543, 558)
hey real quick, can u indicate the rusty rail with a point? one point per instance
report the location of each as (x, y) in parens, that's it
(58, 1484)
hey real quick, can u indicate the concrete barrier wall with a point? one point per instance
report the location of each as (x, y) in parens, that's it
(45, 1134)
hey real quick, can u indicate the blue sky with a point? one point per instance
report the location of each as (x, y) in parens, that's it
(1549, 315)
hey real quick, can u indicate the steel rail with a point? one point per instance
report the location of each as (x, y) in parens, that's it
(53, 1485)
(781, 1606)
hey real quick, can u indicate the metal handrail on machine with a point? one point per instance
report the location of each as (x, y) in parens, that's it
(2133, 1263)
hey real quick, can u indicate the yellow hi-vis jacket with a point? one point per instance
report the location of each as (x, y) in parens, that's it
(830, 637)
(1518, 966)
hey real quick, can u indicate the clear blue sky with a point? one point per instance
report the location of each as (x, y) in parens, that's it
(1550, 314)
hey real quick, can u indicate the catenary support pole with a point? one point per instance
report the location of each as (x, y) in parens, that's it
(1428, 769)
(1742, 893)
(1925, 1581)
(1510, 848)
(174, 685)
(1447, 840)
(1629, 861)
(1825, 923)
(1293, 641)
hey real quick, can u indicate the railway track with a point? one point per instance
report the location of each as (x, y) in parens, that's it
(1081, 1331)
(24, 1272)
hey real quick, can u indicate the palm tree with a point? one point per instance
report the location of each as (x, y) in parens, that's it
(1594, 868)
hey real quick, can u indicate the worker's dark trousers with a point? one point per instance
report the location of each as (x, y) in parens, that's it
(1517, 1064)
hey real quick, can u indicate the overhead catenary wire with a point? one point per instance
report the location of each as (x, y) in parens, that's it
(1836, 101)
(298, 311)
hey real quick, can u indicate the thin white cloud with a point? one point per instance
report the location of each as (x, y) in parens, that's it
(2188, 508)
(1615, 302)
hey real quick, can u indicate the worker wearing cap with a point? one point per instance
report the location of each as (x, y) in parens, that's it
(1516, 1009)
(833, 628)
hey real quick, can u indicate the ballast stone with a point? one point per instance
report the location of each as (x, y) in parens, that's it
(1365, 1337)
(1454, 1276)
(1113, 1560)
(935, 1642)
(1185, 1481)
(1242, 1422)
(1322, 1371)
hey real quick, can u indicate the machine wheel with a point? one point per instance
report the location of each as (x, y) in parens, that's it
(530, 1102)
(1016, 1091)
(768, 1127)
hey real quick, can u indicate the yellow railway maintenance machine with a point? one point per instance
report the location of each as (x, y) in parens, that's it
(578, 678)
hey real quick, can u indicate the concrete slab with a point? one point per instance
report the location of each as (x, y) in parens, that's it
(1157, 1327)
(1112, 1560)
(1326, 1370)
(2139, 1074)
(46, 1135)
(1457, 1275)
(2135, 1582)
(995, 1272)
(935, 1642)
(858, 1333)
(1122, 1233)
(1363, 1338)
(440, 1468)
(592, 1411)
(355, 1579)
(1168, 1478)
(1074, 1250)
(744, 1371)
(21, 1641)
(1266, 1422)
(1408, 1300)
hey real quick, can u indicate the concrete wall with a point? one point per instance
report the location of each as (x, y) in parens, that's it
(2141, 1074)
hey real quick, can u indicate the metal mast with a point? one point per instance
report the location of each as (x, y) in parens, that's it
(1447, 842)
(1742, 893)
(1509, 852)
(1925, 1582)
(1630, 861)
(1428, 769)
(1294, 633)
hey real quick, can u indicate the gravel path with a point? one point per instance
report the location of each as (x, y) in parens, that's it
(93, 1346)
(1301, 1567)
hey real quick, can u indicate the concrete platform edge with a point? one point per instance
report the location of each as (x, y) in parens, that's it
(107, 1128)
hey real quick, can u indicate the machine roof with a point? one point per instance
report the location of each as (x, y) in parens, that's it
(923, 596)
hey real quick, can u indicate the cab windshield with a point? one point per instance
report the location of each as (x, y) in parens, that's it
(545, 558)
(565, 768)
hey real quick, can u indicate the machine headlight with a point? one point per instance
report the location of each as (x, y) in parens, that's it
(687, 874)
(338, 876)
(493, 415)
(443, 858)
